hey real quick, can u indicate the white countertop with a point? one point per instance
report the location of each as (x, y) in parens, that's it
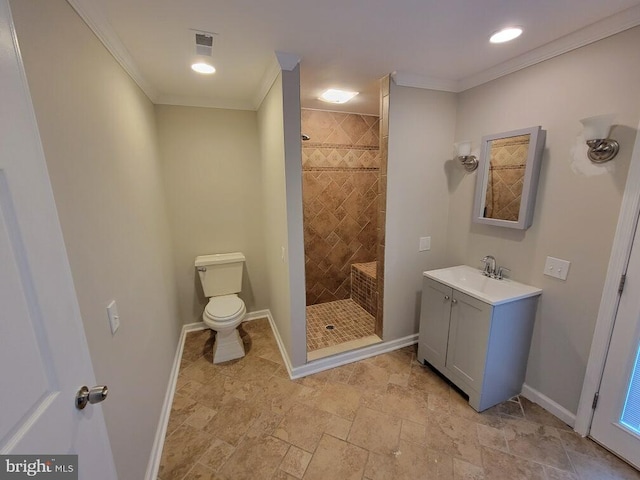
(471, 281)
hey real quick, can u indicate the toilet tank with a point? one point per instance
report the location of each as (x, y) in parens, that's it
(220, 274)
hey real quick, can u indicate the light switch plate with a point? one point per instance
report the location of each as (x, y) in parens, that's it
(114, 318)
(425, 244)
(556, 267)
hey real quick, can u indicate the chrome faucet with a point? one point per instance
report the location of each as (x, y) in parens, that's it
(489, 266)
(491, 270)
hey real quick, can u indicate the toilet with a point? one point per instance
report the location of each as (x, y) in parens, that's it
(221, 278)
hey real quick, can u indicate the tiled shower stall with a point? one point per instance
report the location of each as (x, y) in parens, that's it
(341, 173)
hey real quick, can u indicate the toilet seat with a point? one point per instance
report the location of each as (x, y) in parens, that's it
(224, 308)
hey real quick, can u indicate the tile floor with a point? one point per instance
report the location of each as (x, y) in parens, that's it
(350, 321)
(383, 418)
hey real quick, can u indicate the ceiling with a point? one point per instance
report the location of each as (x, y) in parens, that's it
(342, 44)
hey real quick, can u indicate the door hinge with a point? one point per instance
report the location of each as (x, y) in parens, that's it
(595, 400)
(623, 279)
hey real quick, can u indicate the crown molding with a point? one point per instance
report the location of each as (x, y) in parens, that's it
(186, 101)
(279, 61)
(270, 75)
(90, 12)
(604, 28)
(92, 15)
(405, 79)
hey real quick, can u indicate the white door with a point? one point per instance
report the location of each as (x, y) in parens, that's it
(616, 420)
(43, 352)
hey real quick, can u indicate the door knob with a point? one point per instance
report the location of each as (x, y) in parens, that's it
(446, 297)
(96, 395)
(454, 301)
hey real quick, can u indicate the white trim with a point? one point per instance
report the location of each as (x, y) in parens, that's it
(270, 75)
(604, 28)
(257, 315)
(283, 351)
(592, 33)
(312, 367)
(158, 443)
(353, 356)
(621, 249)
(549, 405)
(405, 79)
(204, 102)
(92, 15)
(279, 62)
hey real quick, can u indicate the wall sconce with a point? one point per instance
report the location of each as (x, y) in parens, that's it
(468, 161)
(596, 133)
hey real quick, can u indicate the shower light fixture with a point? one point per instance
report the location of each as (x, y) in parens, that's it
(506, 35)
(596, 133)
(468, 161)
(203, 68)
(337, 96)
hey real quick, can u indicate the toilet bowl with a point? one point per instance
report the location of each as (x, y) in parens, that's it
(221, 278)
(223, 314)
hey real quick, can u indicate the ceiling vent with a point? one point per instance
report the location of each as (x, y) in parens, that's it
(204, 43)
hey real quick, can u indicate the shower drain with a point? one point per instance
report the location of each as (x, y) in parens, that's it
(329, 327)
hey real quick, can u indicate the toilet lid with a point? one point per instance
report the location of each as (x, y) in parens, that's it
(224, 306)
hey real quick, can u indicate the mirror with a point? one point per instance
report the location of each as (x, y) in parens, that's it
(507, 180)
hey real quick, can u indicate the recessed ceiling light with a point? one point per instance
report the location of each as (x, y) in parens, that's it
(204, 68)
(506, 34)
(337, 96)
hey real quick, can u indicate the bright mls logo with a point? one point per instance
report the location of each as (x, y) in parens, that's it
(50, 467)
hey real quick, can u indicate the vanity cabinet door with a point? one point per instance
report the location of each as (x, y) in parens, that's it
(434, 322)
(468, 339)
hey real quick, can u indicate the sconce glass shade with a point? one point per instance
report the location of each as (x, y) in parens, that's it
(597, 127)
(464, 148)
(468, 161)
(596, 133)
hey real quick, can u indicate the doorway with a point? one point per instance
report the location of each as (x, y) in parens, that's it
(341, 190)
(616, 418)
(609, 391)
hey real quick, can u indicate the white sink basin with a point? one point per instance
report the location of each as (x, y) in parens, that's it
(470, 280)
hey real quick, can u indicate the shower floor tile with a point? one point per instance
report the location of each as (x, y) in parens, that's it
(350, 322)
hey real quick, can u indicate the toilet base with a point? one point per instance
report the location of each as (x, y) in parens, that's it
(227, 346)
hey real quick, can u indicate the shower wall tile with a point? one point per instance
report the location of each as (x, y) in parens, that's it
(340, 199)
(363, 286)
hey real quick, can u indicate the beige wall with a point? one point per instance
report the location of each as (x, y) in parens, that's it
(575, 215)
(212, 175)
(274, 209)
(99, 138)
(280, 148)
(421, 133)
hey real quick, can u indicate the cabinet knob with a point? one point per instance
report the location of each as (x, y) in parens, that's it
(447, 297)
(454, 301)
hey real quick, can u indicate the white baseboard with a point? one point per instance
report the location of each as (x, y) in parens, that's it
(283, 351)
(549, 405)
(352, 356)
(158, 442)
(297, 372)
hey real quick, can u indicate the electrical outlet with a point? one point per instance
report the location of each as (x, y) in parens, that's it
(425, 244)
(114, 318)
(556, 267)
